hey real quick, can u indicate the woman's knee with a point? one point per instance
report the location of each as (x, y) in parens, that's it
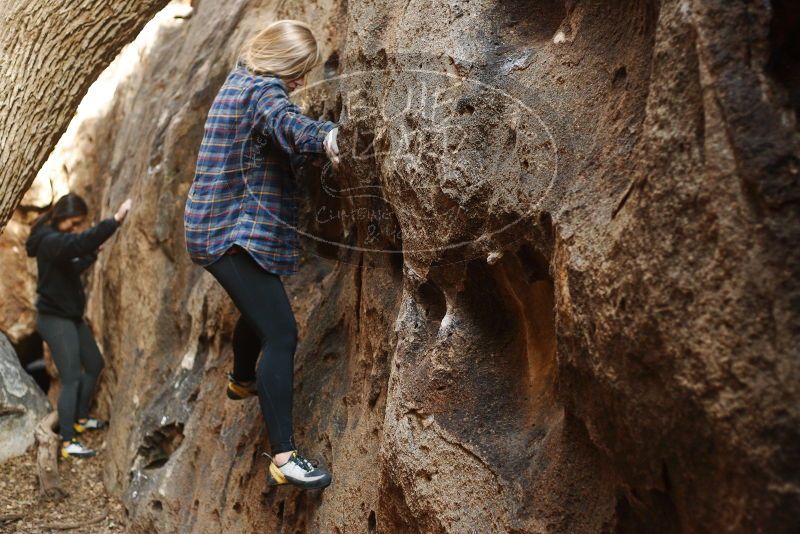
(278, 331)
(69, 369)
(280, 347)
(91, 359)
(95, 366)
(284, 342)
(70, 384)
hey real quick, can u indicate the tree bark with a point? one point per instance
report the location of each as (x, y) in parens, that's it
(47, 458)
(50, 53)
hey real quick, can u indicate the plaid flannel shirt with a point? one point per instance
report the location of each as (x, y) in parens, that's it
(244, 190)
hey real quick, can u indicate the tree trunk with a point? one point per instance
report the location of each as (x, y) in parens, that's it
(47, 458)
(50, 53)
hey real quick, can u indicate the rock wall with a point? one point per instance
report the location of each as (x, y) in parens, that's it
(571, 305)
(18, 289)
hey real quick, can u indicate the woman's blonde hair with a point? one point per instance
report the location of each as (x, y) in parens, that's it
(285, 48)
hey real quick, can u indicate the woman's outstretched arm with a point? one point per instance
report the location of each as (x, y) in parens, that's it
(65, 246)
(284, 122)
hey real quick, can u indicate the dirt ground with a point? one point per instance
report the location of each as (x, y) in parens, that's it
(87, 508)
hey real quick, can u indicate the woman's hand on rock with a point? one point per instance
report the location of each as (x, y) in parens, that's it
(123, 210)
(331, 146)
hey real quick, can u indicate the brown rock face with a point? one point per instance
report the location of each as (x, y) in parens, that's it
(553, 286)
(18, 288)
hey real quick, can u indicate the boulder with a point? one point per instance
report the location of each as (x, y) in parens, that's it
(22, 404)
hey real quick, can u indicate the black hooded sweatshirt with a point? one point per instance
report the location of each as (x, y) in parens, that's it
(61, 257)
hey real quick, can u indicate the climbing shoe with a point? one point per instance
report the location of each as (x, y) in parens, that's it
(89, 424)
(299, 472)
(238, 390)
(77, 450)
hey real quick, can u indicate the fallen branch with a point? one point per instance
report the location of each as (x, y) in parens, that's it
(10, 410)
(9, 518)
(47, 458)
(72, 526)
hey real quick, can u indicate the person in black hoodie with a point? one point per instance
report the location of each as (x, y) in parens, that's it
(62, 255)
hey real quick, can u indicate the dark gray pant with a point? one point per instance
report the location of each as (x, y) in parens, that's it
(72, 346)
(267, 327)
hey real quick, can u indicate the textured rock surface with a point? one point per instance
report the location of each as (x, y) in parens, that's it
(621, 357)
(18, 288)
(22, 404)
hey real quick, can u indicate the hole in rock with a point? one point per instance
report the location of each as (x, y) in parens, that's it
(377, 381)
(372, 522)
(157, 506)
(546, 222)
(619, 76)
(654, 512)
(159, 445)
(279, 514)
(331, 66)
(784, 61)
(463, 107)
(433, 301)
(332, 342)
(523, 20)
(396, 261)
(534, 265)
(156, 464)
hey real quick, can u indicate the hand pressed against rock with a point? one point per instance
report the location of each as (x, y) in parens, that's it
(123, 210)
(331, 145)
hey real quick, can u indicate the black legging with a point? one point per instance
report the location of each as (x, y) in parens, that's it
(266, 327)
(72, 346)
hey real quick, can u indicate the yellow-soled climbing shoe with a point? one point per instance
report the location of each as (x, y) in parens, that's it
(89, 424)
(77, 450)
(274, 476)
(240, 390)
(299, 472)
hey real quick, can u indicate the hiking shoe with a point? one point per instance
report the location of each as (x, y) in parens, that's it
(89, 424)
(299, 472)
(238, 390)
(77, 450)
